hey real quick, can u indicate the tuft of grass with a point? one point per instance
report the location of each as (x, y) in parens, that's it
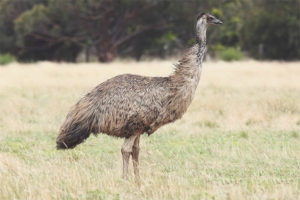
(295, 134)
(208, 124)
(6, 59)
(244, 134)
(251, 122)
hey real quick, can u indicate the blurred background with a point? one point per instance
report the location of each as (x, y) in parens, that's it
(103, 30)
(240, 138)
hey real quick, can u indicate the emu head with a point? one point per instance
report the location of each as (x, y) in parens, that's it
(206, 18)
(203, 20)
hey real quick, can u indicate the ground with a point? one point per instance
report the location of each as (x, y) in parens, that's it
(238, 140)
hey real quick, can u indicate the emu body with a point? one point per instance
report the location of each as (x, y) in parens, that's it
(129, 105)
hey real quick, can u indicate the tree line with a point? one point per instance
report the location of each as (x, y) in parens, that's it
(60, 30)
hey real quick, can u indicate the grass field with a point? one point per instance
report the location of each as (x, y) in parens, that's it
(240, 138)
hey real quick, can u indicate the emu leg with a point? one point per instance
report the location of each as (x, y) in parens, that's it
(126, 151)
(135, 159)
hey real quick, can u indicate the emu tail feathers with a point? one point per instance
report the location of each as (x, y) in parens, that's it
(79, 124)
(71, 137)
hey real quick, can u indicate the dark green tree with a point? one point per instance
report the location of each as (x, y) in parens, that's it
(272, 30)
(106, 25)
(9, 11)
(59, 30)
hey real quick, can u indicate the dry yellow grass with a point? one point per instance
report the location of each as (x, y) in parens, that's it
(238, 140)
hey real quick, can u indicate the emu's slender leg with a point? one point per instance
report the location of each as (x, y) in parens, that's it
(135, 158)
(126, 151)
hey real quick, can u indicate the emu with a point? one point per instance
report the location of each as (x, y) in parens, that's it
(127, 106)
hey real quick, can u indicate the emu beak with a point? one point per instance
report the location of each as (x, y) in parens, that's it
(216, 21)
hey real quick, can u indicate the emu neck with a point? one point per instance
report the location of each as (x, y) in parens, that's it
(190, 66)
(185, 79)
(201, 33)
(201, 39)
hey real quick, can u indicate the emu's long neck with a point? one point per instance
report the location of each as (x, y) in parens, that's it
(201, 33)
(201, 39)
(184, 81)
(190, 65)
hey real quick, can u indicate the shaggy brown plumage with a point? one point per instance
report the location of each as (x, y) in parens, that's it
(129, 105)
